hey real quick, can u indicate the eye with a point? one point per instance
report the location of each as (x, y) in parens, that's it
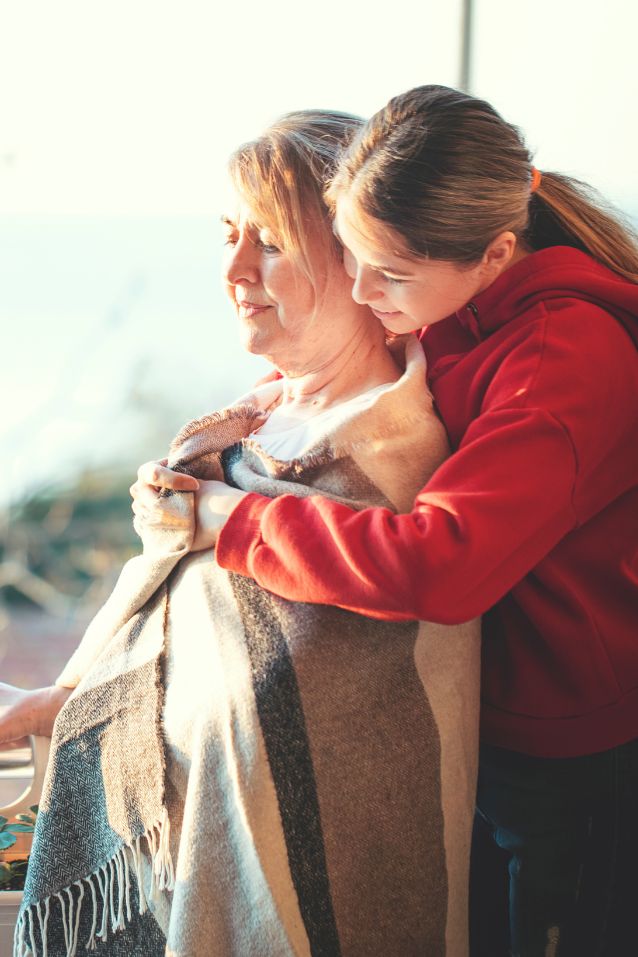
(264, 241)
(392, 279)
(230, 232)
(268, 247)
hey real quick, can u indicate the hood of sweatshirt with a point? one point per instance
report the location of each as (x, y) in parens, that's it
(558, 272)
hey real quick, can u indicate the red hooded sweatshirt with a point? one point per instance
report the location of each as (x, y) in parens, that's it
(531, 522)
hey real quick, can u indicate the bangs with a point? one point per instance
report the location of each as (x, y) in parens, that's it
(285, 195)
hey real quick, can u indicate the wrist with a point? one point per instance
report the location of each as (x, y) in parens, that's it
(215, 502)
(48, 704)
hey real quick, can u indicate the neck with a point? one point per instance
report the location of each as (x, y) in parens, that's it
(362, 363)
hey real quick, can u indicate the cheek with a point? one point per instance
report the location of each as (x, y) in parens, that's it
(404, 297)
(276, 280)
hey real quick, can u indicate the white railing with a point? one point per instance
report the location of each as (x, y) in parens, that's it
(20, 787)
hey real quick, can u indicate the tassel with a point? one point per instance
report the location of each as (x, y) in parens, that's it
(76, 929)
(64, 926)
(127, 881)
(69, 952)
(151, 840)
(119, 867)
(42, 921)
(91, 945)
(31, 937)
(164, 861)
(138, 871)
(47, 909)
(43, 926)
(111, 868)
(103, 931)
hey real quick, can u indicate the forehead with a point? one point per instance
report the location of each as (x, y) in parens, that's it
(370, 240)
(240, 209)
(239, 213)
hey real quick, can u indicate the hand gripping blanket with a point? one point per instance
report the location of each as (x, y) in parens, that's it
(236, 775)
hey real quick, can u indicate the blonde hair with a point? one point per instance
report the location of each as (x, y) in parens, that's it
(447, 174)
(283, 175)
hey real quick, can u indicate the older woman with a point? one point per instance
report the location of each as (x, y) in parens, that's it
(233, 773)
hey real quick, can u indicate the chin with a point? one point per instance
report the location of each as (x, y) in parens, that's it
(249, 345)
(253, 343)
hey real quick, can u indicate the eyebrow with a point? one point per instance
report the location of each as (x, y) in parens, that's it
(379, 267)
(250, 226)
(397, 272)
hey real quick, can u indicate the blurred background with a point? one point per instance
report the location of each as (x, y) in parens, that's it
(115, 123)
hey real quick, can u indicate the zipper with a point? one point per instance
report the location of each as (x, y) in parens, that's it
(471, 323)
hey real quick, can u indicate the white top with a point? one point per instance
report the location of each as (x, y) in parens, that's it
(291, 441)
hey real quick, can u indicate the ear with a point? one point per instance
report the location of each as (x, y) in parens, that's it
(500, 254)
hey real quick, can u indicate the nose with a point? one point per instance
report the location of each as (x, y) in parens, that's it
(365, 289)
(241, 263)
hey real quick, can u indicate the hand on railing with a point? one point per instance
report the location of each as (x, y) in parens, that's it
(30, 715)
(29, 712)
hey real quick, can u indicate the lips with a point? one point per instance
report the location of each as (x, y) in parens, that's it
(247, 309)
(383, 316)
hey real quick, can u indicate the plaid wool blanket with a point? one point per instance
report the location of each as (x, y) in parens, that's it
(236, 775)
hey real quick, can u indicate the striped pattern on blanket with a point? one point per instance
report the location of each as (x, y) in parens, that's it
(243, 776)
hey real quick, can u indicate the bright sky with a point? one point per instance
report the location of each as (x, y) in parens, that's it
(131, 106)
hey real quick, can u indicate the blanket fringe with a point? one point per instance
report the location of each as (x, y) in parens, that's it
(110, 898)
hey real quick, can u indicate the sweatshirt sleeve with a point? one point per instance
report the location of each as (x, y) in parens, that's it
(486, 517)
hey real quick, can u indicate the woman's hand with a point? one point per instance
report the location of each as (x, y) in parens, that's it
(29, 712)
(214, 501)
(152, 477)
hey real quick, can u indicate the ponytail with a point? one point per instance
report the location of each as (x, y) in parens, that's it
(567, 212)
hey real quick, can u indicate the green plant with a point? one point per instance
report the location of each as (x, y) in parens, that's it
(13, 873)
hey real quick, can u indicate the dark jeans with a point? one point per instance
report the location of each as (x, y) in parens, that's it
(566, 830)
